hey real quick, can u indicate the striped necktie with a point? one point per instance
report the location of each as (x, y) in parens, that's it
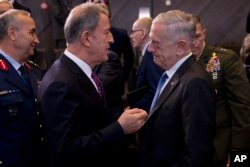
(99, 86)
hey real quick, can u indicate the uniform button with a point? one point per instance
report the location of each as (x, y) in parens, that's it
(37, 113)
(35, 99)
(40, 126)
(1, 162)
(42, 139)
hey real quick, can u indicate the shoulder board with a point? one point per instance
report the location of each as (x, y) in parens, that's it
(222, 50)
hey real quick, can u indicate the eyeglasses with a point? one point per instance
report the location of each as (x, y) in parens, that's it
(134, 31)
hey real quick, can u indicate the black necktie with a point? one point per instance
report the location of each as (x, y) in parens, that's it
(24, 75)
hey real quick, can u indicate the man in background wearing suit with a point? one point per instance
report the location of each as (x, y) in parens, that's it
(227, 73)
(148, 73)
(180, 127)
(79, 129)
(21, 138)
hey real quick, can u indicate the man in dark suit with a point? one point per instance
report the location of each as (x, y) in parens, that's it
(123, 48)
(148, 73)
(21, 139)
(79, 129)
(121, 45)
(180, 126)
(233, 98)
(17, 5)
(110, 73)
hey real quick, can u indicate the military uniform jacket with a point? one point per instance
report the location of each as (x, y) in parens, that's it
(19, 118)
(233, 99)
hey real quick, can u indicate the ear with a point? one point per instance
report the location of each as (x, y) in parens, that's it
(143, 34)
(85, 38)
(181, 46)
(11, 33)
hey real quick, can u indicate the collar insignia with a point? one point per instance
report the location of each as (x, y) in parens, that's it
(3, 65)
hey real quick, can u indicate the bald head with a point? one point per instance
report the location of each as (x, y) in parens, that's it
(5, 6)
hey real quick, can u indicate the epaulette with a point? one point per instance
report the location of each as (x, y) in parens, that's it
(223, 50)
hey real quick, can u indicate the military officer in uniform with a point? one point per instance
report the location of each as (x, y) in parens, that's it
(233, 98)
(21, 139)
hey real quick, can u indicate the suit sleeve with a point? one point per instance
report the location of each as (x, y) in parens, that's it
(59, 106)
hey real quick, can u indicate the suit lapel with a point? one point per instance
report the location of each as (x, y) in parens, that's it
(83, 79)
(174, 81)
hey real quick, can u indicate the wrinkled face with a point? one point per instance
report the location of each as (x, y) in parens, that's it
(199, 40)
(136, 36)
(162, 46)
(100, 40)
(24, 37)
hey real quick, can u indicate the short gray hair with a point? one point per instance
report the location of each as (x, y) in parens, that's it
(179, 23)
(10, 18)
(83, 17)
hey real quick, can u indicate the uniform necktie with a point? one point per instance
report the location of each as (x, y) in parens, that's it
(24, 75)
(161, 82)
(99, 86)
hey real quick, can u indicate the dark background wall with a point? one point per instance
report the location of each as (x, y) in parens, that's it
(225, 20)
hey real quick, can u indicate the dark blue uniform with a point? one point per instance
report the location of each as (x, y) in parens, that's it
(21, 140)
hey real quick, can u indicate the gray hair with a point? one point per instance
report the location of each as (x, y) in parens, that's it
(180, 24)
(10, 18)
(83, 17)
(144, 23)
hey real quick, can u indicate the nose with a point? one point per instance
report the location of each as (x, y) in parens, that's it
(110, 38)
(151, 48)
(36, 40)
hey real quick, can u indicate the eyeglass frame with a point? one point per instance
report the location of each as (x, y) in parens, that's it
(134, 31)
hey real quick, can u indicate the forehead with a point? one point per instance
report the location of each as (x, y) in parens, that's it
(103, 21)
(25, 21)
(199, 27)
(158, 30)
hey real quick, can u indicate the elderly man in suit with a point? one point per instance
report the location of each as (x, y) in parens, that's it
(180, 126)
(79, 129)
(148, 73)
(21, 139)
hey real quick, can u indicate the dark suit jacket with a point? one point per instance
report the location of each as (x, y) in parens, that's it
(79, 129)
(123, 48)
(148, 75)
(180, 128)
(248, 23)
(59, 13)
(20, 133)
(17, 5)
(110, 73)
(233, 101)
